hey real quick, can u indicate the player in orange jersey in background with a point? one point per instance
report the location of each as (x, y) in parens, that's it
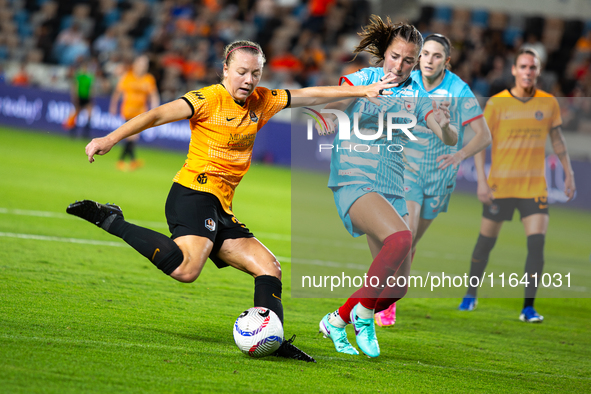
(224, 120)
(520, 120)
(138, 92)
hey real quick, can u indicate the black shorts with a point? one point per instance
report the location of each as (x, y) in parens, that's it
(83, 102)
(502, 209)
(191, 212)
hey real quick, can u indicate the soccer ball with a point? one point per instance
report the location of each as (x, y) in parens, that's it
(258, 332)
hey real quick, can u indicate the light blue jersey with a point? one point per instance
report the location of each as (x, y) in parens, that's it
(361, 166)
(420, 156)
(378, 162)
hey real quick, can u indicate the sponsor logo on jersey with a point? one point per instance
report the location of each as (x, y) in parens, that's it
(470, 103)
(239, 140)
(362, 75)
(210, 224)
(201, 178)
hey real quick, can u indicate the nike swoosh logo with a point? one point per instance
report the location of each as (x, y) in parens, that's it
(326, 328)
(230, 119)
(355, 327)
(543, 206)
(273, 294)
(154, 255)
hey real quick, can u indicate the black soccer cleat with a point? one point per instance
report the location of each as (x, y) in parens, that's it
(288, 350)
(100, 214)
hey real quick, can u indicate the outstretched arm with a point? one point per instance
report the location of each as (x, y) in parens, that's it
(326, 94)
(481, 140)
(166, 113)
(559, 147)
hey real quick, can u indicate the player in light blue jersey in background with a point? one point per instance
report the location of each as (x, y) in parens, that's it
(367, 176)
(432, 166)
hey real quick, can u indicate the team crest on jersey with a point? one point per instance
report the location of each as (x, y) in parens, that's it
(253, 116)
(210, 224)
(409, 106)
(201, 178)
(494, 209)
(406, 189)
(539, 115)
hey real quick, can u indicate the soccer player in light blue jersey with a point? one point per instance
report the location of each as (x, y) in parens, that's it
(367, 176)
(432, 166)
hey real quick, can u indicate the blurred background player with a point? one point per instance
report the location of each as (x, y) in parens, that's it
(368, 184)
(138, 93)
(520, 120)
(431, 165)
(81, 96)
(224, 120)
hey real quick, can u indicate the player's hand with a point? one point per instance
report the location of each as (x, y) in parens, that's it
(450, 160)
(378, 89)
(98, 146)
(569, 187)
(441, 113)
(484, 193)
(331, 126)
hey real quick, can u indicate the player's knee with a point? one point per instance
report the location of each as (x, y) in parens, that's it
(483, 247)
(186, 272)
(535, 245)
(273, 269)
(401, 240)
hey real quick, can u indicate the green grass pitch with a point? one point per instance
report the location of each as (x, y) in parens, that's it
(81, 312)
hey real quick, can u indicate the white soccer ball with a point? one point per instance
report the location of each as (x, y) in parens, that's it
(258, 332)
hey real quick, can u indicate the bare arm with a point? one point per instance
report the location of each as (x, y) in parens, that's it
(166, 113)
(483, 191)
(559, 147)
(481, 140)
(326, 94)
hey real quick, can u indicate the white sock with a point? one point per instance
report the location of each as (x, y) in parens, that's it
(363, 312)
(336, 320)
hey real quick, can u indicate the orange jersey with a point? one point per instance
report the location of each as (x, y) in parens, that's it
(222, 138)
(136, 91)
(519, 131)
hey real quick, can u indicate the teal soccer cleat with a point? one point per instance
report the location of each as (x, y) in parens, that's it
(365, 332)
(337, 335)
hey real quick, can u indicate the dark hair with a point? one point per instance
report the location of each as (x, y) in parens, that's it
(242, 45)
(441, 39)
(527, 51)
(377, 36)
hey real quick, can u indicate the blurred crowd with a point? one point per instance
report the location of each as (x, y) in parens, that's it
(306, 42)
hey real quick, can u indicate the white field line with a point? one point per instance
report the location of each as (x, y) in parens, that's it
(280, 237)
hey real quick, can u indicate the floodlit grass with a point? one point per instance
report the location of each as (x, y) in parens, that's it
(80, 311)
